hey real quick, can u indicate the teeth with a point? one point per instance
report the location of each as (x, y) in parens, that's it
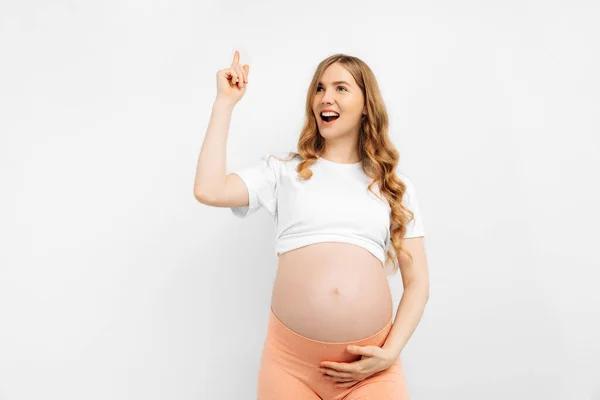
(330, 114)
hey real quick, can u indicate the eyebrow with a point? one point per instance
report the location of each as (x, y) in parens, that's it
(337, 82)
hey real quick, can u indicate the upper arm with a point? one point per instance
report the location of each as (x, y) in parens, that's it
(233, 193)
(249, 189)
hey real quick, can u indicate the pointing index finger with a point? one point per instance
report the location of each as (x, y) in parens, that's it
(236, 58)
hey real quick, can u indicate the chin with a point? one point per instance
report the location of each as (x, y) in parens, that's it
(328, 134)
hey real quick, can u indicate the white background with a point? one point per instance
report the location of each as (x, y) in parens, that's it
(115, 283)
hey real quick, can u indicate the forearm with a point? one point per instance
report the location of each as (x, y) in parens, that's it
(409, 313)
(211, 168)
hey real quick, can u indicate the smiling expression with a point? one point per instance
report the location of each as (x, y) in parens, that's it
(338, 91)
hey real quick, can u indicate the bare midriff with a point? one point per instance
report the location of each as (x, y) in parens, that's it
(332, 292)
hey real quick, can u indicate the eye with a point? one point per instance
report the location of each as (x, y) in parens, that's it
(343, 87)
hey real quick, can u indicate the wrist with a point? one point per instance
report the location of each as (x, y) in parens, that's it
(224, 102)
(392, 353)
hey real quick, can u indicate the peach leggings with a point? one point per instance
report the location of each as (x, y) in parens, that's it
(289, 362)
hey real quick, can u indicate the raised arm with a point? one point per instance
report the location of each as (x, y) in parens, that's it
(212, 186)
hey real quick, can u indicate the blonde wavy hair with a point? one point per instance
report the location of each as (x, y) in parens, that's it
(379, 156)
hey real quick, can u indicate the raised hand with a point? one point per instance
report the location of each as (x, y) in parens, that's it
(231, 82)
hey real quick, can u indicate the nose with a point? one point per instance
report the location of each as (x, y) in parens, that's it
(326, 102)
(327, 98)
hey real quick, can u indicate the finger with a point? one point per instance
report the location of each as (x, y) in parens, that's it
(363, 350)
(229, 73)
(344, 367)
(246, 69)
(342, 380)
(236, 58)
(234, 76)
(241, 77)
(334, 373)
(243, 74)
(240, 72)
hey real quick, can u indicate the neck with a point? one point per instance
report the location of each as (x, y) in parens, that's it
(341, 150)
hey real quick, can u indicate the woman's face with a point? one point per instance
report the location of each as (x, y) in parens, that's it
(344, 98)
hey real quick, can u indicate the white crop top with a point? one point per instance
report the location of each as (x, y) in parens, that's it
(333, 205)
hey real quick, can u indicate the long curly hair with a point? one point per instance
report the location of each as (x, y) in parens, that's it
(379, 156)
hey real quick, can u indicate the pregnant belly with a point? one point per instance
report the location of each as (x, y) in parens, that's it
(332, 292)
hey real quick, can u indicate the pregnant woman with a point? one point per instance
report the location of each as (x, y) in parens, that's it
(343, 212)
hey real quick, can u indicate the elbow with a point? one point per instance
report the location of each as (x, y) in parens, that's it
(200, 196)
(425, 289)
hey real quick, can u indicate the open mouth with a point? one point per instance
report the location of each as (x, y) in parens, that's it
(329, 118)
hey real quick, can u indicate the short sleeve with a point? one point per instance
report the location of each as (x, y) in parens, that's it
(415, 227)
(261, 181)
